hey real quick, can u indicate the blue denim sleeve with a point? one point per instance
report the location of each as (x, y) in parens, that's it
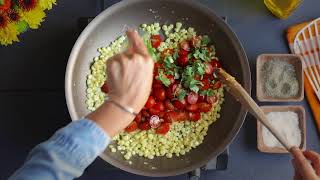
(66, 154)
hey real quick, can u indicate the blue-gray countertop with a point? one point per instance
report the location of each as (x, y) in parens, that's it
(32, 104)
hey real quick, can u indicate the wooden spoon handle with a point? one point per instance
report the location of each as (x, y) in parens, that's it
(244, 98)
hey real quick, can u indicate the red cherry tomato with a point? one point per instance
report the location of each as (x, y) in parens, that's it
(144, 126)
(201, 99)
(182, 61)
(170, 116)
(138, 118)
(216, 85)
(154, 121)
(5, 5)
(159, 106)
(215, 64)
(160, 94)
(192, 98)
(157, 84)
(209, 68)
(171, 78)
(194, 116)
(168, 105)
(155, 40)
(132, 127)
(183, 53)
(105, 88)
(145, 113)
(204, 107)
(154, 111)
(211, 99)
(179, 104)
(185, 45)
(150, 102)
(161, 114)
(192, 107)
(181, 116)
(163, 129)
(205, 84)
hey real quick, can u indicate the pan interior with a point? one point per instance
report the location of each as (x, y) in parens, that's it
(112, 23)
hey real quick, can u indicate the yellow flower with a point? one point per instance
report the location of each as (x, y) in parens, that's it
(9, 34)
(33, 17)
(47, 4)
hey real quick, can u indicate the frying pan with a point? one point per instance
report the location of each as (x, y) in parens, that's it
(110, 24)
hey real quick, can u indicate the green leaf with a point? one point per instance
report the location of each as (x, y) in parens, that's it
(163, 78)
(205, 40)
(168, 62)
(193, 85)
(1, 2)
(200, 68)
(182, 94)
(151, 50)
(209, 92)
(175, 55)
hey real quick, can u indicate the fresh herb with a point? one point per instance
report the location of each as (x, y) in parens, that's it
(202, 54)
(205, 40)
(168, 62)
(200, 68)
(175, 55)
(193, 85)
(163, 78)
(209, 92)
(151, 50)
(182, 94)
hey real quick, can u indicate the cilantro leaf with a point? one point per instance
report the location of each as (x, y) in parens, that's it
(193, 85)
(200, 68)
(205, 40)
(168, 62)
(209, 92)
(163, 78)
(182, 94)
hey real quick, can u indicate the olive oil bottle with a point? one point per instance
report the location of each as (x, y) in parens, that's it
(282, 8)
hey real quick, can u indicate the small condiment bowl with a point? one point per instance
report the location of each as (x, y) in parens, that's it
(302, 126)
(293, 59)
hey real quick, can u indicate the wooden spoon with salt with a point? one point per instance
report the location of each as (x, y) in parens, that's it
(244, 98)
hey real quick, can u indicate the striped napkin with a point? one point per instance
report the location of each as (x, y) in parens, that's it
(311, 97)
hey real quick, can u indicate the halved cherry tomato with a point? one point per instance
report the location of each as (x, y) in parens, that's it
(192, 107)
(183, 53)
(204, 107)
(182, 61)
(205, 84)
(163, 129)
(181, 116)
(159, 106)
(209, 68)
(194, 116)
(155, 40)
(216, 85)
(160, 94)
(150, 102)
(154, 111)
(208, 76)
(138, 118)
(192, 98)
(185, 45)
(105, 88)
(211, 99)
(179, 104)
(168, 105)
(5, 5)
(170, 116)
(215, 64)
(161, 114)
(132, 127)
(144, 126)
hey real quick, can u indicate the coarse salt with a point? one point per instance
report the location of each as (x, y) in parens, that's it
(287, 124)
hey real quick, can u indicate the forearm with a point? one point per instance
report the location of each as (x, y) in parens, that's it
(111, 118)
(66, 154)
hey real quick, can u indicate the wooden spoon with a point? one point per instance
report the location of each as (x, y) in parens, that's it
(244, 98)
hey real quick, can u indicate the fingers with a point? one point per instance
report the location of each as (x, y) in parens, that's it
(302, 165)
(297, 175)
(315, 159)
(136, 43)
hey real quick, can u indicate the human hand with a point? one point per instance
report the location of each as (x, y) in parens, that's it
(130, 74)
(129, 77)
(304, 170)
